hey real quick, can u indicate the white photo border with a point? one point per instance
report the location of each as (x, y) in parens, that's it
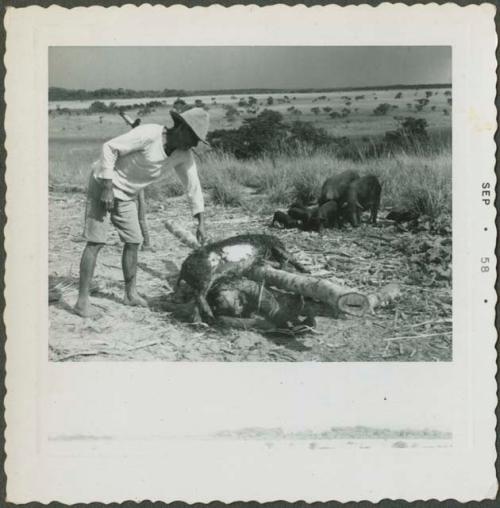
(43, 396)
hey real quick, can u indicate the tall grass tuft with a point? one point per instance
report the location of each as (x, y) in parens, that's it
(226, 192)
(421, 182)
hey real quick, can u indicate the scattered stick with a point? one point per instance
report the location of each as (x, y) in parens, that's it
(144, 345)
(424, 336)
(439, 321)
(378, 237)
(82, 353)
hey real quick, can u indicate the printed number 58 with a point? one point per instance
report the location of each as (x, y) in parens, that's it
(485, 267)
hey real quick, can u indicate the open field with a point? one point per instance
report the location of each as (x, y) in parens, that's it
(358, 123)
(415, 328)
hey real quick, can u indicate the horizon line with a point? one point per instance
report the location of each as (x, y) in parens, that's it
(267, 89)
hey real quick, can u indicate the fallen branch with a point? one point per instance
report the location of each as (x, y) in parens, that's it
(425, 336)
(335, 296)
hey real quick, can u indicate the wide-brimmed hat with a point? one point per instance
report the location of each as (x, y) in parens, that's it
(196, 119)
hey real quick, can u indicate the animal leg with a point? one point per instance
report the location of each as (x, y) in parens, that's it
(374, 212)
(204, 308)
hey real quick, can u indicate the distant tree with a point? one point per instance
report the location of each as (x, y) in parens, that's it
(449, 101)
(265, 134)
(398, 95)
(382, 109)
(428, 93)
(270, 101)
(334, 114)
(231, 113)
(411, 133)
(180, 105)
(327, 109)
(306, 133)
(345, 112)
(433, 108)
(447, 92)
(98, 107)
(422, 102)
(315, 110)
(446, 112)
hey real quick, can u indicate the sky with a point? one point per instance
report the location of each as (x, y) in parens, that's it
(230, 67)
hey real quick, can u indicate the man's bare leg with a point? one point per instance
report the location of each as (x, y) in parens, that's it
(87, 267)
(129, 265)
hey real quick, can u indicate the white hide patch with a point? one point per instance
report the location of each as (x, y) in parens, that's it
(214, 260)
(236, 253)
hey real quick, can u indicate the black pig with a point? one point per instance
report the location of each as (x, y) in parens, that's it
(284, 220)
(326, 216)
(335, 188)
(363, 194)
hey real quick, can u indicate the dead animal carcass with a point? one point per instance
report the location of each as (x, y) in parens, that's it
(230, 257)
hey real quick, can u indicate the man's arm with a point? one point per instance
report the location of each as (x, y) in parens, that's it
(107, 195)
(188, 175)
(200, 230)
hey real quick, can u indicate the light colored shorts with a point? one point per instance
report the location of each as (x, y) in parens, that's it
(123, 216)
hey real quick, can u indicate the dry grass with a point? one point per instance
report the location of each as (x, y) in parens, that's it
(419, 182)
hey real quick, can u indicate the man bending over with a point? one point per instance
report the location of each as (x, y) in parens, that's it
(128, 164)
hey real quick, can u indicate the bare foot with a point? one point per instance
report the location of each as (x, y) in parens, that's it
(135, 300)
(85, 310)
(148, 248)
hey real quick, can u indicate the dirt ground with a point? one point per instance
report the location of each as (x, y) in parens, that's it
(418, 324)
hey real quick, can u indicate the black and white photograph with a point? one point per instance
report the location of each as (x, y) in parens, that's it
(250, 253)
(250, 203)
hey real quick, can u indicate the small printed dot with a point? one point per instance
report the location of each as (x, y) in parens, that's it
(486, 229)
(485, 301)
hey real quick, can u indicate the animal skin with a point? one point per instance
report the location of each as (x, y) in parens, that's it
(241, 297)
(230, 257)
